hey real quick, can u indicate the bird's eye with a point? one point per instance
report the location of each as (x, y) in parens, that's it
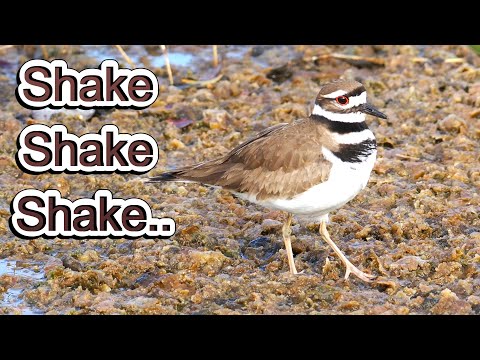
(342, 100)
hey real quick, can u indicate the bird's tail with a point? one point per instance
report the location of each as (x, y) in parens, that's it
(207, 173)
(166, 176)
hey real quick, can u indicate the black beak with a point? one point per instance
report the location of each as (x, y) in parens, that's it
(371, 110)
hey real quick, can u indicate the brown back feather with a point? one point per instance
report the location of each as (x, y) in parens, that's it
(282, 160)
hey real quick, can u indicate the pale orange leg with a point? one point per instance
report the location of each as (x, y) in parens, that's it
(350, 267)
(286, 231)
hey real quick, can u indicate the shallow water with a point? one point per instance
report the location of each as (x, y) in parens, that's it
(176, 58)
(8, 267)
(12, 298)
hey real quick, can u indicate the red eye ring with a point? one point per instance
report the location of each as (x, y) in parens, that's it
(342, 100)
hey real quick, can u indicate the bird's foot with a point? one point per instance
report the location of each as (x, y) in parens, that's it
(352, 269)
(293, 269)
(295, 272)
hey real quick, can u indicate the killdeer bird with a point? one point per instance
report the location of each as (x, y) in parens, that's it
(307, 168)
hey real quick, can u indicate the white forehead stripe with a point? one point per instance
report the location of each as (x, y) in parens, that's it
(357, 100)
(334, 94)
(348, 117)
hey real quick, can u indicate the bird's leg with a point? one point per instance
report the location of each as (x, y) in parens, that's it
(350, 267)
(286, 231)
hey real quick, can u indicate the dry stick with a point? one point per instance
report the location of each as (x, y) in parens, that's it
(407, 157)
(167, 63)
(454, 60)
(215, 56)
(66, 50)
(44, 51)
(351, 58)
(202, 82)
(125, 56)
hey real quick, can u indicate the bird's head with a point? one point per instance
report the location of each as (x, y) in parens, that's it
(344, 101)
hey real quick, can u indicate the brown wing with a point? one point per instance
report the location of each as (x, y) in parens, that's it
(285, 159)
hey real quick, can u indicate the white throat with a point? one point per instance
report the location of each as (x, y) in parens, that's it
(347, 117)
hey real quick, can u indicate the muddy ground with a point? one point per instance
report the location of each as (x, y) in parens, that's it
(416, 225)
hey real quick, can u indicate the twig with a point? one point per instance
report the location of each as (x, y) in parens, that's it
(360, 60)
(125, 56)
(202, 82)
(167, 63)
(44, 52)
(419, 60)
(353, 59)
(454, 61)
(215, 55)
(407, 157)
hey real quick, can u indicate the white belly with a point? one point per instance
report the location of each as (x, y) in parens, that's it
(345, 181)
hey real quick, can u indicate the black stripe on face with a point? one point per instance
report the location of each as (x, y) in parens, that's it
(340, 127)
(354, 152)
(354, 109)
(330, 105)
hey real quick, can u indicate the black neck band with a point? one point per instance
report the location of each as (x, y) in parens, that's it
(340, 127)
